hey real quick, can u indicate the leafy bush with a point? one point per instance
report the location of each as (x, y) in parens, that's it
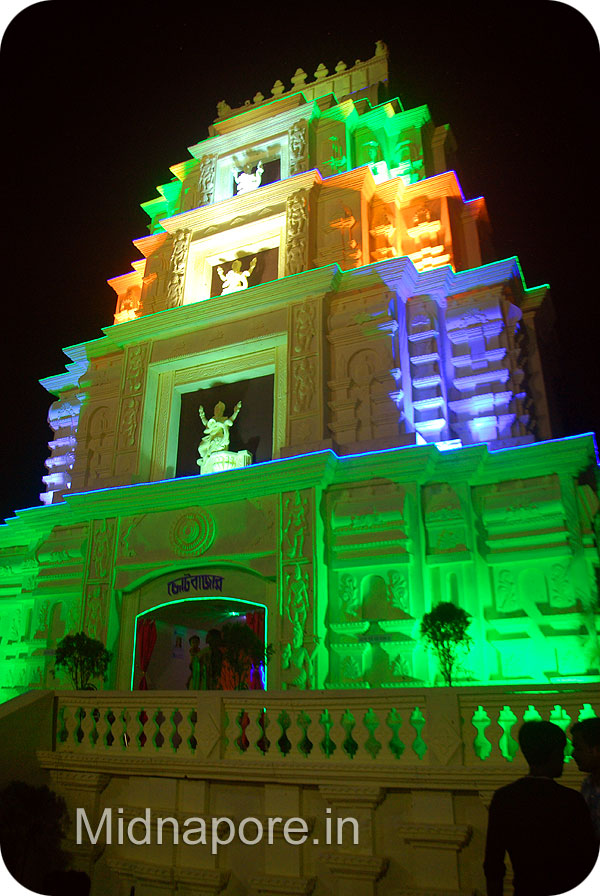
(83, 658)
(444, 631)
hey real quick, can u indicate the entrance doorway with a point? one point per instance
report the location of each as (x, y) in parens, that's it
(186, 644)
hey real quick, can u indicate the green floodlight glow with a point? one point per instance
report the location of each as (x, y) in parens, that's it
(185, 600)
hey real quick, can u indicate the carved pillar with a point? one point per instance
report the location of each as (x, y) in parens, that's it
(305, 397)
(131, 404)
(296, 245)
(206, 179)
(177, 266)
(97, 587)
(297, 589)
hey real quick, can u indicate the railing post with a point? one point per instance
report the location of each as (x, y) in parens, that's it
(443, 727)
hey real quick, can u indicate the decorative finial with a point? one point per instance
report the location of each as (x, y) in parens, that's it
(321, 72)
(277, 88)
(223, 109)
(380, 48)
(341, 67)
(258, 98)
(299, 79)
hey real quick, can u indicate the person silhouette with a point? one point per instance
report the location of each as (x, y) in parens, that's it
(586, 753)
(545, 827)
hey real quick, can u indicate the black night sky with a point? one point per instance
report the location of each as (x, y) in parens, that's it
(99, 100)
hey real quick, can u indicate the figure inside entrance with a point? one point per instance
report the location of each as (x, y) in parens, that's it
(236, 278)
(216, 433)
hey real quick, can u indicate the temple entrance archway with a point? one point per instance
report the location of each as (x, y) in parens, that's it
(185, 603)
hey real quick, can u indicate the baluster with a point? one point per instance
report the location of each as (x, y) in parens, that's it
(102, 729)
(314, 731)
(481, 745)
(362, 734)
(87, 725)
(254, 731)
(125, 728)
(187, 730)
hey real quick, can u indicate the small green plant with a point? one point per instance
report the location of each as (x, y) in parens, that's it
(444, 631)
(83, 658)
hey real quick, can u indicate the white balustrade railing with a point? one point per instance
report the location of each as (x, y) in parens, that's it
(467, 726)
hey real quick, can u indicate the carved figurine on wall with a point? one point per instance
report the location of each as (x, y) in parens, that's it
(245, 180)
(216, 433)
(296, 661)
(235, 279)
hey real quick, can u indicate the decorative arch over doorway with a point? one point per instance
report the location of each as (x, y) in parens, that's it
(188, 601)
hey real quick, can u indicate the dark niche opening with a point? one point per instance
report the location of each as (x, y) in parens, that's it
(262, 271)
(252, 430)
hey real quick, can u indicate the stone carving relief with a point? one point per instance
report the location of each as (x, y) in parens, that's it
(297, 600)
(96, 443)
(345, 223)
(95, 612)
(561, 588)
(296, 232)
(398, 590)
(294, 526)
(129, 423)
(303, 385)
(349, 596)
(102, 548)
(177, 264)
(297, 662)
(206, 179)
(361, 372)
(507, 600)
(304, 328)
(298, 143)
(136, 363)
(192, 533)
(128, 526)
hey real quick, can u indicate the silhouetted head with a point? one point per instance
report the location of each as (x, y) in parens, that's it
(586, 745)
(194, 642)
(543, 746)
(213, 637)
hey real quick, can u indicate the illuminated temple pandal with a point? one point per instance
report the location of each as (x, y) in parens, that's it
(409, 460)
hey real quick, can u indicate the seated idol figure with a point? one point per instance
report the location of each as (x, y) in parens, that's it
(216, 433)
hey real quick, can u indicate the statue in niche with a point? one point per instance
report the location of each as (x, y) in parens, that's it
(216, 432)
(349, 597)
(245, 181)
(296, 662)
(294, 527)
(235, 279)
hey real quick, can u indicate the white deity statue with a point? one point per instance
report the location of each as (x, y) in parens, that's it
(246, 181)
(216, 432)
(235, 278)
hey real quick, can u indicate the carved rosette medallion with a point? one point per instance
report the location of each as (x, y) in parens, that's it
(192, 533)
